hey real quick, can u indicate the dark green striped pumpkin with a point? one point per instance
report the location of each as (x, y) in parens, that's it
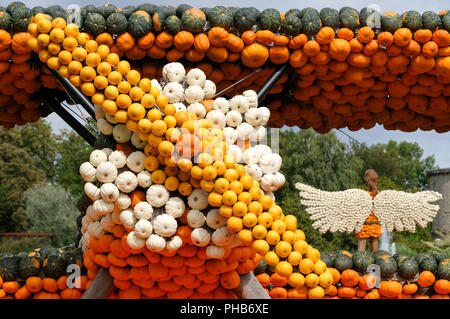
(342, 262)
(291, 25)
(172, 24)
(116, 23)
(311, 23)
(391, 22)
(193, 20)
(431, 20)
(147, 7)
(245, 18)
(330, 18)
(54, 266)
(56, 11)
(182, 8)
(349, 18)
(21, 18)
(14, 5)
(412, 20)
(106, 10)
(443, 270)
(94, 23)
(388, 265)
(445, 18)
(9, 268)
(30, 266)
(361, 260)
(221, 16)
(139, 23)
(327, 258)
(429, 264)
(128, 10)
(408, 268)
(5, 20)
(270, 19)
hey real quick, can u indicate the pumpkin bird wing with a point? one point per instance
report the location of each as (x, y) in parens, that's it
(402, 211)
(342, 211)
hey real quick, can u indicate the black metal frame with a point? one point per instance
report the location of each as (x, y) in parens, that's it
(270, 83)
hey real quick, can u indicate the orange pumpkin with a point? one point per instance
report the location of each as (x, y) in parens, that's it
(254, 55)
(183, 40)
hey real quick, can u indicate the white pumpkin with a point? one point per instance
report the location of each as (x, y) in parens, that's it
(209, 89)
(239, 103)
(215, 252)
(198, 199)
(217, 119)
(118, 158)
(230, 135)
(157, 195)
(95, 230)
(233, 118)
(91, 215)
(196, 77)
(144, 179)
(156, 84)
(155, 243)
(174, 92)
(270, 163)
(107, 223)
(134, 242)
(135, 161)
(98, 112)
(143, 210)
(265, 115)
(91, 191)
(214, 220)
(194, 93)
(258, 134)
(127, 219)
(236, 151)
(109, 192)
(263, 149)
(195, 218)
(87, 172)
(198, 109)
(174, 243)
(174, 71)
(126, 182)
(222, 236)
(165, 225)
(106, 172)
(97, 157)
(104, 126)
(253, 116)
(137, 142)
(251, 156)
(244, 130)
(121, 133)
(272, 182)
(252, 98)
(254, 171)
(143, 228)
(102, 208)
(180, 107)
(122, 202)
(107, 151)
(200, 237)
(110, 118)
(175, 207)
(221, 104)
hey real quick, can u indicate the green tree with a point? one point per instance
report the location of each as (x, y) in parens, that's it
(52, 209)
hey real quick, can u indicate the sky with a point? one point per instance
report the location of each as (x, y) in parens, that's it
(431, 142)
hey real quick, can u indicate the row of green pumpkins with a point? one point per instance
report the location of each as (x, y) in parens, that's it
(141, 19)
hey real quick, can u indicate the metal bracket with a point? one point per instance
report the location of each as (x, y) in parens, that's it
(270, 83)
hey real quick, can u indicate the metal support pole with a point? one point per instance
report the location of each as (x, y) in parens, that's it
(266, 87)
(49, 100)
(74, 93)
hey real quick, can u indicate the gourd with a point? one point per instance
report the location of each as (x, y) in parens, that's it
(172, 24)
(174, 72)
(361, 260)
(446, 21)
(126, 182)
(174, 92)
(137, 142)
(251, 156)
(330, 18)
(175, 207)
(387, 264)
(349, 18)
(391, 21)
(135, 161)
(144, 179)
(180, 106)
(5, 20)
(193, 20)
(245, 18)
(431, 21)
(56, 11)
(239, 103)
(157, 195)
(235, 151)
(215, 252)
(128, 10)
(109, 192)
(106, 172)
(196, 76)
(91, 214)
(95, 230)
(214, 220)
(222, 236)
(194, 93)
(127, 218)
(118, 158)
(54, 267)
(102, 207)
(230, 135)
(116, 23)
(30, 266)
(221, 16)
(198, 109)
(265, 115)
(200, 237)
(139, 23)
(254, 171)
(269, 19)
(272, 182)
(143, 228)
(155, 243)
(106, 10)
(94, 23)
(107, 223)
(165, 225)
(443, 270)
(342, 262)
(253, 116)
(412, 20)
(147, 7)
(174, 243)
(97, 157)
(270, 163)
(195, 218)
(121, 133)
(104, 126)
(134, 242)
(14, 5)
(143, 210)
(408, 268)
(92, 191)
(198, 199)
(20, 18)
(123, 202)
(252, 98)
(244, 130)
(233, 118)
(221, 104)
(87, 172)
(291, 25)
(209, 89)
(428, 263)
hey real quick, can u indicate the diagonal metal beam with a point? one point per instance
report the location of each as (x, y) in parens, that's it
(270, 83)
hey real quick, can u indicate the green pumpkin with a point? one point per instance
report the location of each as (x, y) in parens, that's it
(270, 19)
(429, 264)
(327, 258)
(412, 20)
(308, 10)
(245, 18)
(295, 12)
(94, 24)
(170, 10)
(139, 24)
(291, 25)
(14, 5)
(76, 257)
(206, 11)
(388, 265)
(421, 256)
(446, 21)
(391, 23)
(106, 10)
(193, 20)
(147, 7)
(261, 268)
(37, 9)
(342, 262)
(54, 267)
(408, 268)
(47, 251)
(439, 257)
(21, 19)
(9, 268)
(30, 266)
(361, 260)
(5, 21)
(379, 252)
(431, 20)
(116, 23)
(443, 270)
(330, 18)
(399, 256)
(311, 23)
(128, 10)
(56, 11)
(369, 17)
(221, 16)
(349, 18)
(182, 8)
(88, 9)
(172, 25)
